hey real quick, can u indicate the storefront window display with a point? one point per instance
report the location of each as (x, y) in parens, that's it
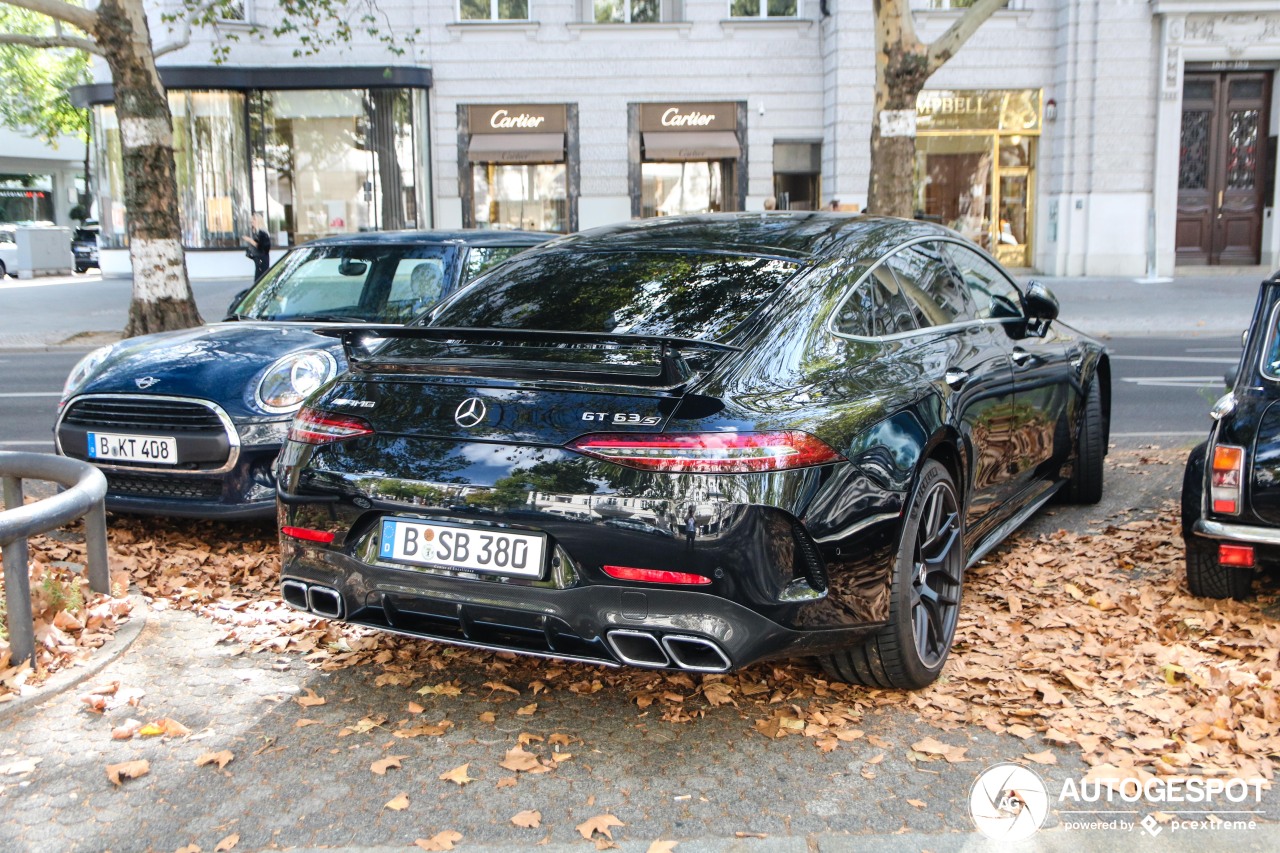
(521, 168)
(313, 161)
(690, 159)
(975, 166)
(26, 198)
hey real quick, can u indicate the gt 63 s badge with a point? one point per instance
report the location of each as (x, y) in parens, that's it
(621, 418)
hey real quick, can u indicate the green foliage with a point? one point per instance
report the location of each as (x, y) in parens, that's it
(34, 82)
(313, 24)
(62, 596)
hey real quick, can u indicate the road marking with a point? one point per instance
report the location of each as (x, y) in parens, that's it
(45, 443)
(1172, 381)
(31, 394)
(1203, 432)
(1181, 358)
(1235, 350)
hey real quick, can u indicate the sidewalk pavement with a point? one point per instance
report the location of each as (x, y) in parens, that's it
(1194, 303)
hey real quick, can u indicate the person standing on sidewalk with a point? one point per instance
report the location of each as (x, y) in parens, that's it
(259, 250)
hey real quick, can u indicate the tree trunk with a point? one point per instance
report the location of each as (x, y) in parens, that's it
(903, 65)
(162, 298)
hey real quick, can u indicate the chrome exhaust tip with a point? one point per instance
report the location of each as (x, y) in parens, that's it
(294, 594)
(325, 602)
(695, 654)
(637, 648)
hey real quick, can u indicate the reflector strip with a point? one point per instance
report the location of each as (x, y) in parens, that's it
(1236, 555)
(627, 573)
(322, 536)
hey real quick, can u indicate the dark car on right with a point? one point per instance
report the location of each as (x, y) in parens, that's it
(1231, 487)
(84, 248)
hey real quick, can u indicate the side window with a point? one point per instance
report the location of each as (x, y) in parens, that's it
(480, 258)
(994, 296)
(418, 284)
(877, 308)
(930, 281)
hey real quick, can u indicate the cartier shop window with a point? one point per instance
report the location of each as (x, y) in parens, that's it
(691, 158)
(518, 171)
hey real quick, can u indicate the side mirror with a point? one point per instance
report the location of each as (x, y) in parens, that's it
(1039, 303)
(1230, 376)
(235, 302)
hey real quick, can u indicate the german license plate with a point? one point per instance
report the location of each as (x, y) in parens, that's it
(468, 548)
(158, 450)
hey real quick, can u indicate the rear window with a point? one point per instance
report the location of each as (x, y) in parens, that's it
(677, 294)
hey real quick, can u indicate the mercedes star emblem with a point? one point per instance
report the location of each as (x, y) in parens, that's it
(146, 382)
(470, 412)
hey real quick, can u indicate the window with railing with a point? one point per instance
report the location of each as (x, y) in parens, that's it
(493, 10)
(764, 8)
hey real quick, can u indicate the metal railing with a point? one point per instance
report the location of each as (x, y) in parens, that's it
(86, 489)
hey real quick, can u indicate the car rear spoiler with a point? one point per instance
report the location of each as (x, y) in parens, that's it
(675, 370)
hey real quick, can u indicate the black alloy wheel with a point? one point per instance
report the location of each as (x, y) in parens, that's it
(924, 607)
(1085, 484)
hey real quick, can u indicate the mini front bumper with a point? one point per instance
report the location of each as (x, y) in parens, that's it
(247, 491)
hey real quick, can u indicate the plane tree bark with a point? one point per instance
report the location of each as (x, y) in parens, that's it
(903, 65)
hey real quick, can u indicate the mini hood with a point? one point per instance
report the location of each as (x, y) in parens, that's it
(222, 362)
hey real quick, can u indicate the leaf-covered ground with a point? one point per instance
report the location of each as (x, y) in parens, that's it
(1085, 638)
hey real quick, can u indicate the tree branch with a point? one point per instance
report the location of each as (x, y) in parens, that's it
(77, 16)
(945, 46)
(87, 45)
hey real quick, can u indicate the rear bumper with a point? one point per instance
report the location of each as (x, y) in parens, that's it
(1236, 532)
(574, 623)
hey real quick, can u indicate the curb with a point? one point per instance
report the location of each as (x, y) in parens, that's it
(104, 655)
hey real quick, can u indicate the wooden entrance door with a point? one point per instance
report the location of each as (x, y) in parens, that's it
(1221, 167)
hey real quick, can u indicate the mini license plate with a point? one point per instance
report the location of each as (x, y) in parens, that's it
(475, 549)
(158, 450)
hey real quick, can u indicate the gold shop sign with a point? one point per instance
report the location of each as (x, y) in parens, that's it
(1010, 110)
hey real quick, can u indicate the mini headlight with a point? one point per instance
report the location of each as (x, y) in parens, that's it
(288, 382)
(84, 367)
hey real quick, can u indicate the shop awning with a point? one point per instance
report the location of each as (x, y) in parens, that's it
(516, 148)
(676, 146)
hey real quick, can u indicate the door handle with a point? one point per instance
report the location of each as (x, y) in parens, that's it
(1020, 356)
(956, 377)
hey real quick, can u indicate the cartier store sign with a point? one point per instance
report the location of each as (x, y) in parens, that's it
(517, 118)
(677, 117)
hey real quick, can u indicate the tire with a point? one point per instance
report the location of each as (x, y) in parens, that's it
(81, 270)
(924, 597)
(1085, 484)
(1206, 576)
(3, 270)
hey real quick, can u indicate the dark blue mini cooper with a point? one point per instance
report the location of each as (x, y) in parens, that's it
(188, 423)
(1231, 488)
(695, 443)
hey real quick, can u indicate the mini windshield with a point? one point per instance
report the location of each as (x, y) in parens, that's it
(366, 283)
(673, 293)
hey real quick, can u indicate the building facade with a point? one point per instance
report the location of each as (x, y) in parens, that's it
(39, 182)
(1074, 137)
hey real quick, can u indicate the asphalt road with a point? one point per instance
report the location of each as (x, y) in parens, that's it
(1163, 389)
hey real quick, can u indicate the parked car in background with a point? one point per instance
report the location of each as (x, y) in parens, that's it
(1231, 486)
(188, 423)
(8, 252)
(696, 443)
(84, 248)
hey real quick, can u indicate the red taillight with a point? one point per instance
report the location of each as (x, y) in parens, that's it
(1236, 555)
(708, 452)
(627, 573)
(1225, 477)
(324, 537)
(313, 426)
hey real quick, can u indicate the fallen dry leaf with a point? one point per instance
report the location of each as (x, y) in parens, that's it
(227, 843)
(662, 847)
(1046, 757)
(128, 770)
(917, 803)
(398, 803)
(303, 723)
(415, 708)
(440, 841)
(457, 775)
(222, 758)
(601, 824)
(310, 699)
(527, 819)
(519, 760)
(382, 765)
(507, 782)
(126, 730)
(528, 710)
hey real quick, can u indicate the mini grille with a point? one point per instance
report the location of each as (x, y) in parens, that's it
(192, 488)
(143, 413)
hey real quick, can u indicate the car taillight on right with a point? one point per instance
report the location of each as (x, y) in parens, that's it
(1225, 478)
(708, 452)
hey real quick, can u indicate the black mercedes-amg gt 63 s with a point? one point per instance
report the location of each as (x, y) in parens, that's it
(695, 443)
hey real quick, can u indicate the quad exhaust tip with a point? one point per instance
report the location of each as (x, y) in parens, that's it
(320, 600)
(641, 648)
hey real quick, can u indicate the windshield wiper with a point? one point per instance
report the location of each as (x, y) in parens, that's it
(325, 318)
(237, 316)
